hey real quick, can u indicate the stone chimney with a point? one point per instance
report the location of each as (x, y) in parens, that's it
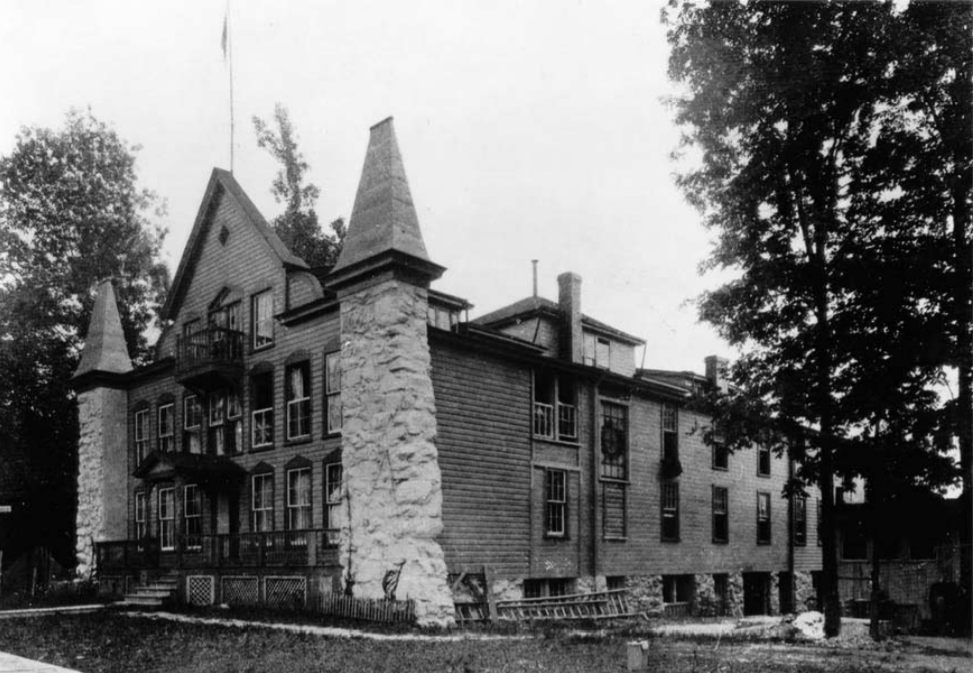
(716, 373)
(393, 514)
(102, 421)
(569, 299)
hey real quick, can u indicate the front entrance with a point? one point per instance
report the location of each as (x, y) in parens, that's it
(756, 593)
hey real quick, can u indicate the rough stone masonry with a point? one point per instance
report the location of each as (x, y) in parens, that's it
(393, 497)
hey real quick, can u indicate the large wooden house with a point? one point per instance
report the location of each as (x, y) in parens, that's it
(304, 432)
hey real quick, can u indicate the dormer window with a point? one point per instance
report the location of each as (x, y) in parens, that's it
(555, 407)
(597, 351)
(262, 319)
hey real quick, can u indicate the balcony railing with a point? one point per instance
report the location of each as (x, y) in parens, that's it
(209, 346)
(544, 425)
(309, 547)
(543, 419)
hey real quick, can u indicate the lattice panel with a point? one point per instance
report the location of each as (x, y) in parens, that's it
(241, 590)
(200, 589)
(285, 591)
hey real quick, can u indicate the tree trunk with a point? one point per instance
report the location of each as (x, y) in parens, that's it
(877, 496)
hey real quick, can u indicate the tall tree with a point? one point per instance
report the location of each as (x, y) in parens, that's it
(71, 213)
(298, 225)
(793, 107)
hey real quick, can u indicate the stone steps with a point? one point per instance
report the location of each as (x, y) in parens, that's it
(156, 594)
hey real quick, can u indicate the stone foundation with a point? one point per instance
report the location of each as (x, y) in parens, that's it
(734, 595)
(391, 470)
(645, 594)
(804, 596)
(705, 601)
(102, 446)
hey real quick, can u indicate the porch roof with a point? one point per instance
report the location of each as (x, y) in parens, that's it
(164, 465)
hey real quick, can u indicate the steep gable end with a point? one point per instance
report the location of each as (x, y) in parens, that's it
(227, 218)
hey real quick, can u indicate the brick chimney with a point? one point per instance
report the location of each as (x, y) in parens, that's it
(716, 372)
(569, 299)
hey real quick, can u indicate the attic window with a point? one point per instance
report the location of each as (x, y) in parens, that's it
(224, 235)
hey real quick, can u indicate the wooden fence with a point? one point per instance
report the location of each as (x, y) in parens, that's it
(372, 610)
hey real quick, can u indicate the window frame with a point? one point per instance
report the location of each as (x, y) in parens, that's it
(266, 413)
(670, 431)
(764, 522)
(721, 496)
(612, 468)
(799, 517)
(298, 510)
(142, 432)
(166, 440)
(669, 512)
(555, 504)
(554, 407)
(192, 517)
(297, 409)
(141, 516)
(261, 324)
(763, 455)
(262, 518)
(332, 393)
(333, 496)
(720, 450)
(167, 519)
(192, 410)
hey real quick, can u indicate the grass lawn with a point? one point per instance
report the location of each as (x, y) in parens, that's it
(110, 642)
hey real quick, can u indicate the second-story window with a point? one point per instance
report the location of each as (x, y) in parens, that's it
(262, 319)
(763, 518)
(225, 423)
(596, 351)
(800, 520)
(721, 455)
(192, 421)
(217, 415)
(763, 460)
(670, 433)
(555, 408)
(262, 404)
(332, 389)
(167, 439)
(556, 503)
(614, 440)
(298, 392)
(141, 434)
(721, 516)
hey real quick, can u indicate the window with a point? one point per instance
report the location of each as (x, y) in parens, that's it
(167, 518)
(217, 414)
(262, 403)
(167, 440)
(800, 520)
(298, 395)
(193, 517)
(192, 420)
(763, 460)
(614, 440)
(670, 433)
(332, 501)
(597, 351)
(763, 518)
(141, 434)
(670, 511)
(721, 514)
(262, 502)
(299, 498)
(225, 423)
(721, 455)
(556, 502)
(548, 588)
(678, 588)
(555, 411)
(332, 389)
(262, 319)
(141, 530)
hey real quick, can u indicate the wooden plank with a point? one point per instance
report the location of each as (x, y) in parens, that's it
(491, 600)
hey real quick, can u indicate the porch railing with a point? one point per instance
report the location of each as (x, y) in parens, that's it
(310, 547)
(211, 345)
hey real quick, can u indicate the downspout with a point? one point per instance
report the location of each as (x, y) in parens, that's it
(790, 529)
(594, 479)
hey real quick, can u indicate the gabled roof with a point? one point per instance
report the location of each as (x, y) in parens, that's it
(221, 183)
(383, 219)
(105, 349)
(532, 306)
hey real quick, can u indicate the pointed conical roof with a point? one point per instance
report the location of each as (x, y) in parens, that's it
(104, 347)
(384, 218)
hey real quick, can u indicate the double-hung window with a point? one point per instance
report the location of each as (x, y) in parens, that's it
(262, 319)
(262, 403)
(193, 517)
(141, 529)
(800, 520)
(217, 415)
(614, 440)
(721, 455)
(262, 502)
(332, 501)
(141, 434)
(763, 460)
(332, 390)
(298, 504)
(192, 421)
(763, 518)
(721, 514)
(670, 511)
(298, 391)
(555, 407)
(167, 439)
(167, 519)
(556, 503)
(670, 433)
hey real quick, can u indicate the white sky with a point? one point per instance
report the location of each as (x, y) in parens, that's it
(529, 129)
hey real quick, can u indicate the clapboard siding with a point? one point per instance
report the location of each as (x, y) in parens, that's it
(483, 438)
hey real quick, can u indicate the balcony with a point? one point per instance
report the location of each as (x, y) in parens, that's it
(295, 548)
(210, 358)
